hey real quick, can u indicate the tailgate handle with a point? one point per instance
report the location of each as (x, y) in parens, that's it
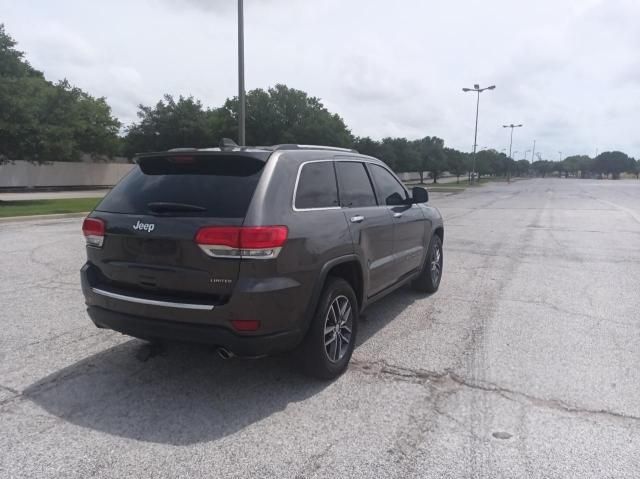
(357, 219)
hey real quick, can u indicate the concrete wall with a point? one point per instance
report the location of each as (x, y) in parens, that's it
(23, 174)
(409, 176)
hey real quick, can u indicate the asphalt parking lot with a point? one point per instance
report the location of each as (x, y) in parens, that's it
(526, 363)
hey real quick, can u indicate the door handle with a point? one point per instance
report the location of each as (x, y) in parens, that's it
(357, 219)
(397, 215)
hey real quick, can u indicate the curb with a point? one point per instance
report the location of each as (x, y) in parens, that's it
(10, 219)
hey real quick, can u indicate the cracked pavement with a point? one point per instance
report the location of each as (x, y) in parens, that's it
(525, 364)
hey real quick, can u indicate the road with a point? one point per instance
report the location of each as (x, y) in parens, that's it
(526, 363)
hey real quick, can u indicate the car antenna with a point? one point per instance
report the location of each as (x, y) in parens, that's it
(228, 144)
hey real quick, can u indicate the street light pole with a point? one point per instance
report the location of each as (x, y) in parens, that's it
(241, 91)
(512, 126)
(476, 88)
(533, 152)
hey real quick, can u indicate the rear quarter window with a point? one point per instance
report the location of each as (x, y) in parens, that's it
(317, 186)
(221, 186)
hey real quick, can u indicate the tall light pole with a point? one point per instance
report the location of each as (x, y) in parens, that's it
(476, 88)
(512, 126)
(241, 92)
(560, 155)
(525, 154)
(533, 152)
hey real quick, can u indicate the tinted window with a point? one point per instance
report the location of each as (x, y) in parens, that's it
(317, 186)
(389, 191)
(216, 186)
(355, 186)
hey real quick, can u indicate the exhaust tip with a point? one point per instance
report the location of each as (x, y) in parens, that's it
(224, 353)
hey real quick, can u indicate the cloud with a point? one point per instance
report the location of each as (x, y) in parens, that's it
(567, 69)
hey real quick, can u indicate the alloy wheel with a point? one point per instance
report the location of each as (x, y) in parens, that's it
(338, 324)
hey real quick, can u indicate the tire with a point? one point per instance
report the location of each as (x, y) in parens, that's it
(328, 360)
(431, 274)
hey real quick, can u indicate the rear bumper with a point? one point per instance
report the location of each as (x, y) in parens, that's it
(279, 304)
(156, 329)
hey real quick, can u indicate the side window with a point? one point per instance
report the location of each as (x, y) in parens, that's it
(317, 186)
(355, 186)
(390, 191)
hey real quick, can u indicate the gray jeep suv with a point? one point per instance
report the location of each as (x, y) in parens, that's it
(257, 250)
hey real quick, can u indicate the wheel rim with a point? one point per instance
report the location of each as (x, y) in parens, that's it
(436, 264)
(338, 324)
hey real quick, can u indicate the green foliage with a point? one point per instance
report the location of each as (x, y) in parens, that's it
(285, 115)
(522, 167)
(542, 167)
(634, 168)
(457, 162)
(492, 162)
(173, 124)
(612, 163)
(41, 121)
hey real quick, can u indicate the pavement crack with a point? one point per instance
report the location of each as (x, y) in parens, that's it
(449, 379)
(314, 463)
(9, 389)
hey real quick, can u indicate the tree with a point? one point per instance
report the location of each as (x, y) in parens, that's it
(173, 124)
(585, 165)
(542, 167)
(286, 115)
(41, 121)
(634, 168)
(431, 157)
(522, 167)
(612, 163)
(571, 165)
(457, 162)
(367, 146)
(491, 162)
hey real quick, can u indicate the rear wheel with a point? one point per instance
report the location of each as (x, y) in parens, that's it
(431, 274)
(329, 343)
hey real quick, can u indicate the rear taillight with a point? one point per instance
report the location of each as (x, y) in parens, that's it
(262, 242)
(93, 230)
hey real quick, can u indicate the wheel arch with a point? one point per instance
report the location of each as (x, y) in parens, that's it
(349, 268)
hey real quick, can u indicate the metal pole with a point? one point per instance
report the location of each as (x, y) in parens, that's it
(511, 141)
(475, 139)
(533, 152)
(241, 92)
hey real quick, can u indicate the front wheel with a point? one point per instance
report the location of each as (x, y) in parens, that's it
(327, 348)
(431, 274)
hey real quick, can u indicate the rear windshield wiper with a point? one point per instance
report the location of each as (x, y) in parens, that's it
(168, 207)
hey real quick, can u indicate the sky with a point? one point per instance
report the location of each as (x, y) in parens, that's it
(568, 70)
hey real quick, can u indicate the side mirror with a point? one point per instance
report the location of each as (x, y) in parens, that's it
(419, 195)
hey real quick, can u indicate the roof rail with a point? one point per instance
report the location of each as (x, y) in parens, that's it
(291, 146)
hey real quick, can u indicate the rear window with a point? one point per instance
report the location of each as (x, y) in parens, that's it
(215, 186)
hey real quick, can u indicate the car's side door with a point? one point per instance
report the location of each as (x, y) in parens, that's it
(410, 224)
(371, 226)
